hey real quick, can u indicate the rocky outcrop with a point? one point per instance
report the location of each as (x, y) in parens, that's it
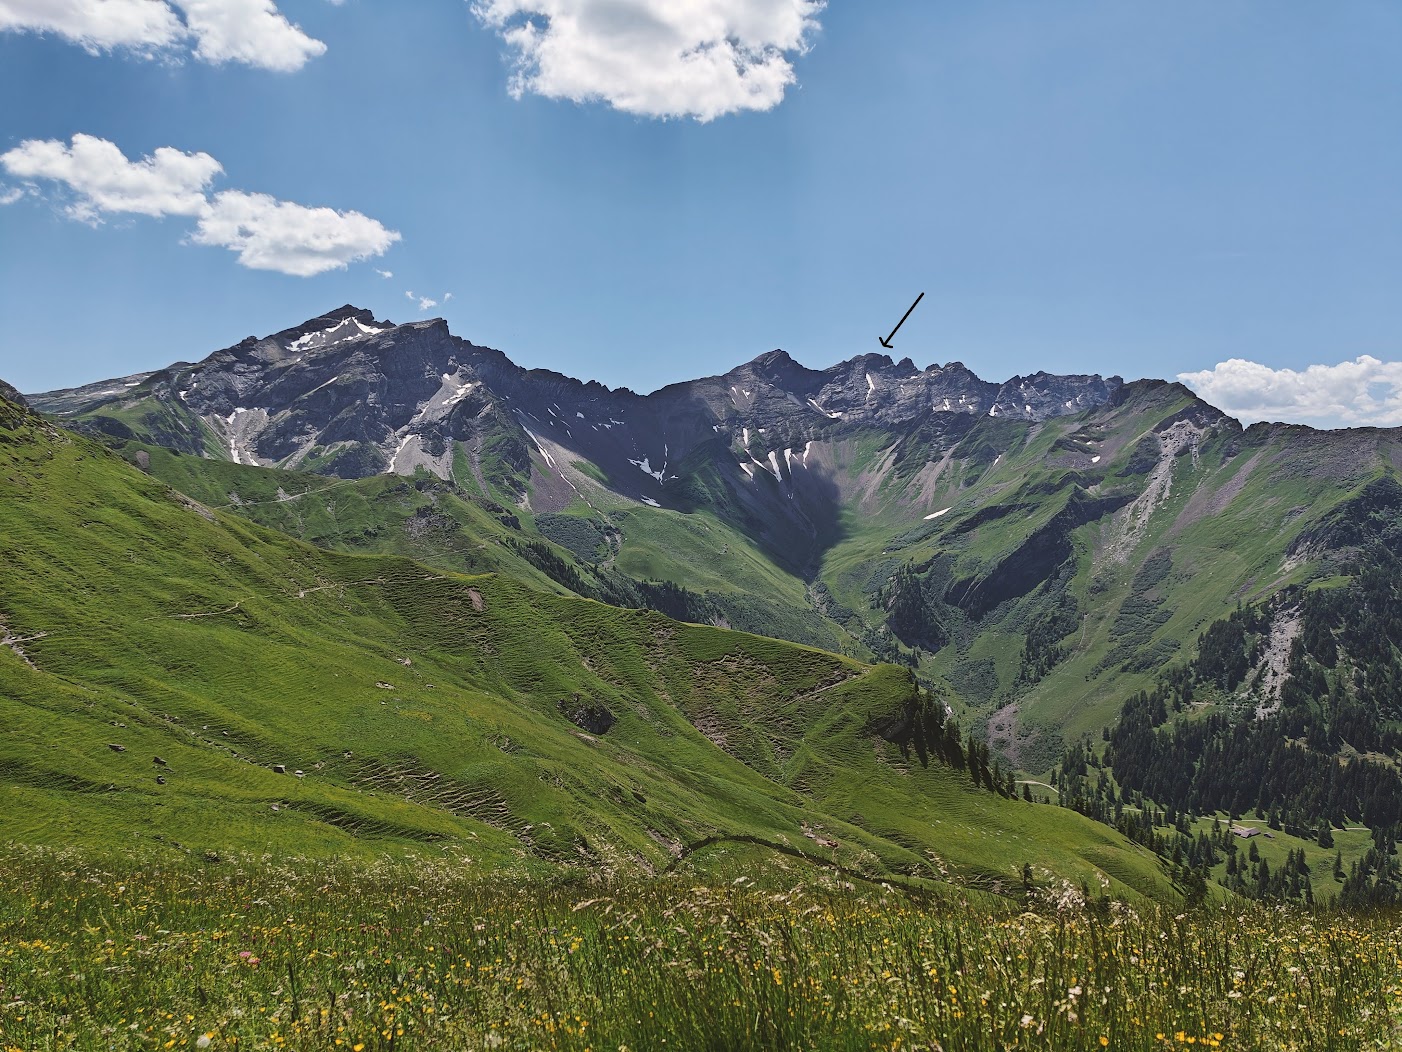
(351, 395)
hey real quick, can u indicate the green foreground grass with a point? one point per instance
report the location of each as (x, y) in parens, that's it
(248, 954)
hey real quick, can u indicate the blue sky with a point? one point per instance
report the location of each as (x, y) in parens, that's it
(1131, 188)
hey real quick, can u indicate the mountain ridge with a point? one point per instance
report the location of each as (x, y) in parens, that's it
(1037, 548)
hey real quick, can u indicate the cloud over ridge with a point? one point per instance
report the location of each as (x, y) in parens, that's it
(655, 58)
(266, 234)
(1365, 392)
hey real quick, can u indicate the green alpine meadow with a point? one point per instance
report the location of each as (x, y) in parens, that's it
(303, 761)
(700, 526)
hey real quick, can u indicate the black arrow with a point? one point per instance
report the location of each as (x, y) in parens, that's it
(887, 341)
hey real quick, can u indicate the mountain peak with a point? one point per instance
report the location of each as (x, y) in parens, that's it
(771, 359)
(9, 394)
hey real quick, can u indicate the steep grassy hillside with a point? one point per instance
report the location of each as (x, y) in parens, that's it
(1091, 551)
(173, 676)
(1041, 572)
(691, 567)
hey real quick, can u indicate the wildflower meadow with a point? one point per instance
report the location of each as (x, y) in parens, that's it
(251, 954)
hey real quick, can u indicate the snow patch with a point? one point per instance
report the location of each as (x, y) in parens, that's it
(826, 413)
(646, 468)
(650, 502)
(346, 329)
(238, 435)
(1095, 460)
(548, 458)
(938, 514)
(393, 468)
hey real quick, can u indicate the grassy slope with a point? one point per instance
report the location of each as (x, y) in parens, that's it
(437, 523)
(1228, 521)
(424, 519)
(1231, 551)
(423, 707)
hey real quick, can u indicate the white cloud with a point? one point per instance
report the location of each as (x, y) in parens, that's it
(97, 25)
(267, 234)
(447, 296)
(386, 274)
(248, 31)
(166, 183)
(1363, 392)
(426, 304)
(656, 58)
(253, 32)
(10, 195)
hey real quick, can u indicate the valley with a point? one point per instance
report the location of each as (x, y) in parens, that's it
(366, 606)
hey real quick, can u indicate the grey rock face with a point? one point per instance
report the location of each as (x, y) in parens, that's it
(351, 395)
(11, 395)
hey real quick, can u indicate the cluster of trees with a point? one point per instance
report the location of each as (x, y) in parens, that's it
(1223, 764)
(935, 735)
(915, 608)
(1319, 754)
(1191, 853)
(1375, 879)
(1044, 647)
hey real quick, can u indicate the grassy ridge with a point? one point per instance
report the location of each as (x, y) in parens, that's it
(430, 711)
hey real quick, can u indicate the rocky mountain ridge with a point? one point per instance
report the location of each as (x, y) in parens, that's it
(1039, 546)
(351, 395)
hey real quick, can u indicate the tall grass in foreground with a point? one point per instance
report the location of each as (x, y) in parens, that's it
(257, 955)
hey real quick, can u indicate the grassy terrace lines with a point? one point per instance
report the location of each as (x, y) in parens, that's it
(314, 703)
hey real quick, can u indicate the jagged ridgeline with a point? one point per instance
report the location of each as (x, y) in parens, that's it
(1036, 551)
(174, 677)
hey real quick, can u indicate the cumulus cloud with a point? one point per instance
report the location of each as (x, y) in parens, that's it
(96, 179)
(102, 180)
(1363, 392)
(249, 31)
(253, 32)
(269, 234)
(97, 25)
(656, 58)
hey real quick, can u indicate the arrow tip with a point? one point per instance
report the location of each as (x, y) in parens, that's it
(885, 344)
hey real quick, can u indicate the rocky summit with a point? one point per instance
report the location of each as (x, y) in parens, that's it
(350, 395)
